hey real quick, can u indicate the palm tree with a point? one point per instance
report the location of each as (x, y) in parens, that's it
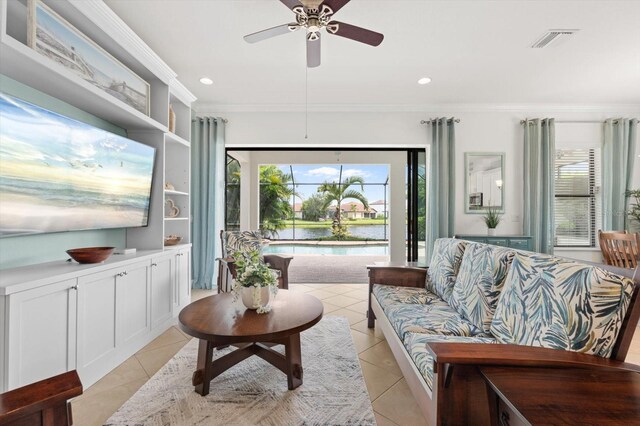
(276, 192)
(339, 191)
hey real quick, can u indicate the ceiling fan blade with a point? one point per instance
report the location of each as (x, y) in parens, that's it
(291, 3)
(271, 32)
(335, 5)
(355, 33)
(313, 51)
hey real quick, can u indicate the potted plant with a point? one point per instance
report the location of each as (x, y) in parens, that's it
(491, 219)
(255, 282)
(634, 211)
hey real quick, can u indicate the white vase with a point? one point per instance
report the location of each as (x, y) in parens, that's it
(248, 300)
(491, 231)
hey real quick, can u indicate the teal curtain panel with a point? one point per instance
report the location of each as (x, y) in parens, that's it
(538, 191)
(207, 197)
(620, 137)
(441, 197)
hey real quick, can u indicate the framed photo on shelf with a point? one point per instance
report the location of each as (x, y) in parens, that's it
(52, 36)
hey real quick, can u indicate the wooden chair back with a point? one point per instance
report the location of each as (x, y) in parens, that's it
(605, 254)
(620, 249)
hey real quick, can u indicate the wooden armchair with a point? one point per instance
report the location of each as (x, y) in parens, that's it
(620, 248)
(247, 240)
(42, 403)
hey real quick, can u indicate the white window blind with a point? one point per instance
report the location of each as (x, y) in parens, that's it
(577, 197)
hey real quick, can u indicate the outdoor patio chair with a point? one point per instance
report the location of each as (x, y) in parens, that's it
(233, 241)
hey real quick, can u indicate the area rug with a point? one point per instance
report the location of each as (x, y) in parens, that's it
(255, 393)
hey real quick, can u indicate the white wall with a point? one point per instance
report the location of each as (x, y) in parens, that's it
(490, 129)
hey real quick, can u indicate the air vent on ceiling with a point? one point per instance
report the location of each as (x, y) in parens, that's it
(550, 36)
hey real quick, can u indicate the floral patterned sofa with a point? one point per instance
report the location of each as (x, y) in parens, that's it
(487, 305)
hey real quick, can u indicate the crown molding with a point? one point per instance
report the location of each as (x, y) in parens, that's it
(181, 92)
(102, 16)
(207, 108)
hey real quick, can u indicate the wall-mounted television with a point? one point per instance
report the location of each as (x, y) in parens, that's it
(58, 174)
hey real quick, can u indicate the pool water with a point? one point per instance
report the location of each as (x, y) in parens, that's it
(347, 250)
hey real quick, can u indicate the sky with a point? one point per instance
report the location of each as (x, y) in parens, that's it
(319, 173)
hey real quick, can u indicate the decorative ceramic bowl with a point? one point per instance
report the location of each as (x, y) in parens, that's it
(172, 240)
(90, 254)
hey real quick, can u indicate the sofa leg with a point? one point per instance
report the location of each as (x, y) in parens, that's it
(371, 319)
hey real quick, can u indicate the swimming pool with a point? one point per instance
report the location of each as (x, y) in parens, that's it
(381, 250)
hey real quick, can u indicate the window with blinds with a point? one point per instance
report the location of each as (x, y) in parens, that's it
(577, 187)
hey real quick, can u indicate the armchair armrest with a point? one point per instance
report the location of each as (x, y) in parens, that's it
(278, 261)
(281, 263)
(517, 355)
(48, 396)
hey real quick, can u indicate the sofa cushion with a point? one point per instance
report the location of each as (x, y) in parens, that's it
(561, 304)
(388, 295)
(429, 319)
(445, 262)
(479, 282)
(416, 345)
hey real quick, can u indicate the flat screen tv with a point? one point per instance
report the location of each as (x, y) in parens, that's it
(58, 174)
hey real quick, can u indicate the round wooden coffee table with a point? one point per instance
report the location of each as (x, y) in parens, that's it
(218, 321)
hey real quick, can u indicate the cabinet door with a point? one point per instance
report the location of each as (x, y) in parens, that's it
(42, 335)
(133, 306)
(97, 331)
(519, 243)
(162, 296)
(183, 279)
(498, 242)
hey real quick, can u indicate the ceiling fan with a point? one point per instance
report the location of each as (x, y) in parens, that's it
(314, 15)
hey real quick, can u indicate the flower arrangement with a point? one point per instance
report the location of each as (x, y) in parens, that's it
(252, 275)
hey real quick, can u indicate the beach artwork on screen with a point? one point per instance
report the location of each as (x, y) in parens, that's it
(58, 174)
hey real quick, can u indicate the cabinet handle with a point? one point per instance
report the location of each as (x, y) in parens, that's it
(73, 287)
(154, 264)
(121, 274)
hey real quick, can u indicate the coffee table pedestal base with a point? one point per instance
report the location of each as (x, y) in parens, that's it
(290, 363)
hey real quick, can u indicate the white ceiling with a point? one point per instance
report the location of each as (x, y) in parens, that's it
(476, 52)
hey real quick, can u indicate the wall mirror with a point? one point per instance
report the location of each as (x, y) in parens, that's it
(484, 181)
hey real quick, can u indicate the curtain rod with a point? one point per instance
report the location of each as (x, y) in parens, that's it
(224, 120)
(431, 120)
(577, 121)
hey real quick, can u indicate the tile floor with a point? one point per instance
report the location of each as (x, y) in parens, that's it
(390, 396)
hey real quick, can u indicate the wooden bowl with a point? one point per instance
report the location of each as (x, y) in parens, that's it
(172, 240)
(90, 254)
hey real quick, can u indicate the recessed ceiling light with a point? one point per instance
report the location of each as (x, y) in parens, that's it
(424, 80)
(206, 80)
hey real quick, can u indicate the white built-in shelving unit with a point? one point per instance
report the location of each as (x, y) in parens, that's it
(62, 316)
(100, 24)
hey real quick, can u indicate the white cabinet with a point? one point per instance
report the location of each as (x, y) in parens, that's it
(96, 322)
(162, 287)
(133, 294)
(41, 339)
(65, 316)
(183, 280)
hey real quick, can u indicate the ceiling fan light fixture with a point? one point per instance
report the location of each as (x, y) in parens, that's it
(424, 80)
(206, 81)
